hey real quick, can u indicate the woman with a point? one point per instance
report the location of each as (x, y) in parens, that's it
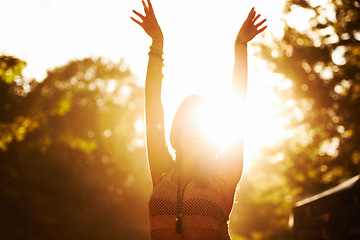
(192, 196)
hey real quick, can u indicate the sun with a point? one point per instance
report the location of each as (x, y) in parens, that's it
(221, 119)
(259, 121)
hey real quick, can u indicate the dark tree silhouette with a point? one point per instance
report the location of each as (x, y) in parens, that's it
(72, 163)
(322, 106)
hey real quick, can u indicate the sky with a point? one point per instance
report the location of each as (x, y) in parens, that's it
(198, 34)
(199, 38)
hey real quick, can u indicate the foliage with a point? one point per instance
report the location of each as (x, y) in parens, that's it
(72, 163)
(323, 103)
(10, 68)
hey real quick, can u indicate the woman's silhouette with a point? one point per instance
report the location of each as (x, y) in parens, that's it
(192, 196)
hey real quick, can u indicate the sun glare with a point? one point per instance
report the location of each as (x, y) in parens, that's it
(259, 121)
(221, 119)
(203, 65)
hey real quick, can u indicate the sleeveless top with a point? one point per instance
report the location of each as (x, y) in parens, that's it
(205, 215)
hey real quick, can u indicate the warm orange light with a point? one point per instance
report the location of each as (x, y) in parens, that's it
(221, 119)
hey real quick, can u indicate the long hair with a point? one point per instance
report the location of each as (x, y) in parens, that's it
(186, 124)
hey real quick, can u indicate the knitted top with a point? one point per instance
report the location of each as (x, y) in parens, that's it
(205, 215)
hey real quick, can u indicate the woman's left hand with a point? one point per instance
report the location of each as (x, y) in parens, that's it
(149, 22)
(249, 29)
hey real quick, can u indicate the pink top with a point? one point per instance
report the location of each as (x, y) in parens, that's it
(205, 215)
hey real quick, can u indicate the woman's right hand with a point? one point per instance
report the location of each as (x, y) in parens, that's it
(149, 23)
(249, 29)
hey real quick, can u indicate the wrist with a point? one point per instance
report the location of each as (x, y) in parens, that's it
(240, 47)
(156, 49)
(158, 42)
(240, 44)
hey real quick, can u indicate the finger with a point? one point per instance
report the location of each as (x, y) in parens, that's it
(150, 6)
(252, 10)
(260, 23)
(256, 17)
(261, 29)
(138, 22)
(139, 14)
(146, 9)
(251, 14)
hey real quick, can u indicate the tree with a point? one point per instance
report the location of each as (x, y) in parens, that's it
(323, 104)
(72, 163)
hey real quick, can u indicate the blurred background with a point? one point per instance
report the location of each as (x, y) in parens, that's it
(72, 151)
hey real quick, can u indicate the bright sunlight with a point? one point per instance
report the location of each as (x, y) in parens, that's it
(260, 120)
(224, 112)
(201, 65)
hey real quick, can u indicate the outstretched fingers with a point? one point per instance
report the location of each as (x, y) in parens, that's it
(261, 29)
(136, 21)
(140, 16)
(256, 17)
(146, 9)
(250, 28)
(259, 24)
(148, 21)
(150, 6)
(251, 14)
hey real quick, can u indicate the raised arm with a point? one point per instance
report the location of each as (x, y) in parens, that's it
(233, 155)
(247, 32)
(158, 155)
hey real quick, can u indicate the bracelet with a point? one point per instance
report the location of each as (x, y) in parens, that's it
(156, 54)
(156, 50)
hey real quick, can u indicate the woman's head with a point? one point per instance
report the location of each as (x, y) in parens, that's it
(186, 135)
